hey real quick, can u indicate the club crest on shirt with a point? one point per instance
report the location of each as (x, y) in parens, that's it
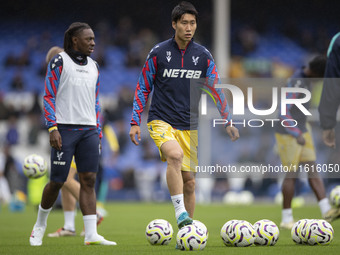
(195, 60)
(59, 155)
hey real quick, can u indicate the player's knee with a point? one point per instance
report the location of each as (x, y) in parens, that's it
(189, 186)
(55, 186)
(175, 156)
(87, 180)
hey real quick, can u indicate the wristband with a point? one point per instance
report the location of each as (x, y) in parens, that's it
(51, 129)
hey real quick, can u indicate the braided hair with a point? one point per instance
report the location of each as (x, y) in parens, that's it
(73, 30)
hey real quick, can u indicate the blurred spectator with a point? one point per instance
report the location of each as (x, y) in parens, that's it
(22, 60)
(17, 83)
(12, 136)
(125, 100)
(100, 56)
(5, 194)
(44, 42)
(123, 32)
(34, 116)
(291, 29)
(122, 134)
(103, 32)
(14, 179)
(10, 60)
(4, 111)
(248, 38)
(139, 46)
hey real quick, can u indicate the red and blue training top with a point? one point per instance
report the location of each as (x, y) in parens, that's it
(169, 72)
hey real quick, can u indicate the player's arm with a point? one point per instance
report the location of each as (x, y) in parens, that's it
(99, 128)
(52, 79)
(330, 97)
(220, 99)
(142, 92)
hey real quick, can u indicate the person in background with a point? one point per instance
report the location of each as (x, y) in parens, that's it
(295, 144)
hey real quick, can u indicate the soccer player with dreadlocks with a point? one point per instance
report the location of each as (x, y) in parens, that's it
(71, 109)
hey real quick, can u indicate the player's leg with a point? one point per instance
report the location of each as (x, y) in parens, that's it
(69, 198)
(68, 203)
(188, 141)
(308, 156)
(289, 152)
(71, 184)
(173, 154)
(59, 174)
(318, 187)
(87, 158)
(315, 181)
(60, 166)
(288, 190)
(87, 195)
(189, 192)
(169, 149)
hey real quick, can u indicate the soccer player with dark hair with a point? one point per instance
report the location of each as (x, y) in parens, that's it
(295, 144)
(71, 106)
(168, 70)
(70, 189)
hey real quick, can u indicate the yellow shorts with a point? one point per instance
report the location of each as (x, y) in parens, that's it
(73, 163)
(162, 132)
(292, 153)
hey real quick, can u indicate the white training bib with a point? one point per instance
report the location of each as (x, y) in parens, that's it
(76, 95)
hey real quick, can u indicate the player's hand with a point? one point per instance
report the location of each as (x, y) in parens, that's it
(55, 140)
(233, 133)
(135, 130)
(328, 137)
(301, 140)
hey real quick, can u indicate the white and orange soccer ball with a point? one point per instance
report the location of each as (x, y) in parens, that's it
(34, 166)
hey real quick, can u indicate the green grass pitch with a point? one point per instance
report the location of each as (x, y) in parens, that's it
(126, 223)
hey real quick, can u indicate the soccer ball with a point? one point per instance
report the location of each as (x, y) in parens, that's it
(191, 238)
(34, 166)
(226, 231)
(334, 196)
(201, 225)
(267, 233)
(238, 233)
(299, 231)
(159, 232)
(319, 232)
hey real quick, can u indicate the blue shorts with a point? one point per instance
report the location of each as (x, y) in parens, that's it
(82, 142)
